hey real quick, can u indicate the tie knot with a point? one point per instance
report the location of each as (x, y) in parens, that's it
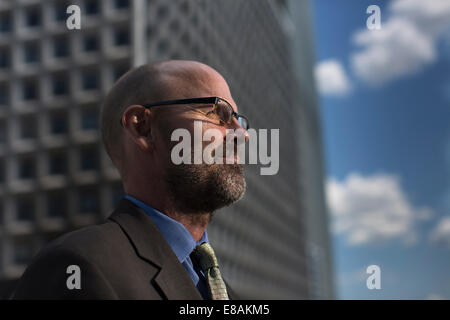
(204, 256)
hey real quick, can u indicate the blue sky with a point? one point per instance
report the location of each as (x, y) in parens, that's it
(385, 108)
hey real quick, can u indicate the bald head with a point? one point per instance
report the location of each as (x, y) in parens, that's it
(167, 80)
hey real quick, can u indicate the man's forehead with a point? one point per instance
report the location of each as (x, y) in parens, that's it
(195, 82)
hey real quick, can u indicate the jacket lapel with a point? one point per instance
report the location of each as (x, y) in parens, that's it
(172, 279)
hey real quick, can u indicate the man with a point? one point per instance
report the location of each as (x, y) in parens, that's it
(155, 244)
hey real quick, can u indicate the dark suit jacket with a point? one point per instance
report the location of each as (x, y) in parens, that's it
(125, 257)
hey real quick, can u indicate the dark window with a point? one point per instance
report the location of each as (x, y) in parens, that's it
(90, 81)
(27, 168)
(61, 11)
(2, 175)
(58, 123)
(56, 205)
(5, 22)
(163, 46)
(5, 58)
(57, 163)
(122, 4)
(60, 85)
(28, 128)
(184, 7)
(3, 132)
(121, 37)
(61, 47)
(89, 159)
(30, 90)
(4, 95)
(2, 221)
(31, 53)
(162, 12)
(88, 200)
(25, 208)
(89, 119)
(32, 17)
(92, 7)
(91, 43)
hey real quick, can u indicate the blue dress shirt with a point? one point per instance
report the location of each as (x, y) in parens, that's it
(179, 239)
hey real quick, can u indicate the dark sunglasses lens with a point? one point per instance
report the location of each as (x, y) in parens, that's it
(224, 111)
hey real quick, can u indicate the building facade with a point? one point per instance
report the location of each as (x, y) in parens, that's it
(55, 175)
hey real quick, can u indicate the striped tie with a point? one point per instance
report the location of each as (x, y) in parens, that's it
(203, 255)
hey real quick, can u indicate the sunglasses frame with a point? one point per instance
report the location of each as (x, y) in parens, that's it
(202, 100)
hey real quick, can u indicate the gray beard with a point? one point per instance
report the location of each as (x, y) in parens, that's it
(204, 188)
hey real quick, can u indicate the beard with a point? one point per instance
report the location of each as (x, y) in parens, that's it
(204, 188)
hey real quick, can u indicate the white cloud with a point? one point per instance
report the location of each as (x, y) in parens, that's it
(441, 233)
(372, 209)
(331, 78)
(406, 43)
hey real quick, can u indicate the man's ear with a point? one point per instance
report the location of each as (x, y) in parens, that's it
(137, 122)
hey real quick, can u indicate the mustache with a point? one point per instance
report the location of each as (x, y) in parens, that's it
(227, 148)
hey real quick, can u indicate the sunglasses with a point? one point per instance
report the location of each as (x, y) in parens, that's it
(220, 107)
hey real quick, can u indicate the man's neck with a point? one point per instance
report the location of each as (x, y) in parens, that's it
(195, 223)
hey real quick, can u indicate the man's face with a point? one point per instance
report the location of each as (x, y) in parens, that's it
(200, 188)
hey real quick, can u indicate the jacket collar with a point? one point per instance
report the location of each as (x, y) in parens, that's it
(151, 246)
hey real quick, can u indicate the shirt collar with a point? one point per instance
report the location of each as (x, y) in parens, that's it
(174, 232)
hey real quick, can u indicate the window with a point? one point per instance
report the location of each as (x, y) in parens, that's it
(24, 208)
(89, 119)
(61, 47)
(122, 4)
(2, 174)
(2, 221)
(26, 168)
(60, 85)
(28, 129)
(163, 11)
(32, 17)
(5, 58)
(91, 43)
(3, 132)
(163, 46)
(90, 80)
(31, 52)
(88, 201)
(60, 12)
(4, 95)
(92, 7)
(30, 90)
(121, 37)
(5, 22)
(56, 205)
(58, 123)
(89, 158)
(57, 163)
